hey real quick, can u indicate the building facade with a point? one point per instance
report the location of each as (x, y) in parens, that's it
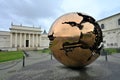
(23, 38)
(111, 31)
(4, 40)
(44, 42)
(31, 38)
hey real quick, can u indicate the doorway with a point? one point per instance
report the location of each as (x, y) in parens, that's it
(27, 43)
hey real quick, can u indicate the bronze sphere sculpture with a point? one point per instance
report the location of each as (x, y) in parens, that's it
(75, 39)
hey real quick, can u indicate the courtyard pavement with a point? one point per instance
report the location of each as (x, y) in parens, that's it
(41, 67)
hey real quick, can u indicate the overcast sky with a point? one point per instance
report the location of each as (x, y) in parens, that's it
(42, 13)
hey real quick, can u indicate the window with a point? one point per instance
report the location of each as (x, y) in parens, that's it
(102, 26)
(113, 32)
(116, 44)
(111, 44)
(118, 21)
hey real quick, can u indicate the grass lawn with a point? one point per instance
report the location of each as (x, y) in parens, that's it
(10, 55)
(112, 50)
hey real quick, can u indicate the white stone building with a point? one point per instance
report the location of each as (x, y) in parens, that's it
(44, 39)
(23, 38)
(4, 40)
(111, 31)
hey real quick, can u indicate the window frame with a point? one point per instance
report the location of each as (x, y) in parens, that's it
(119, 21)
(102, 26)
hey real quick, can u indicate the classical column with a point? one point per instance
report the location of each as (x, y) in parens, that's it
(20, 40)
(33, 40)
(24, 39)
(39, 40)
(11, 36)
(15, 39)
(36, 40)
(29, 40)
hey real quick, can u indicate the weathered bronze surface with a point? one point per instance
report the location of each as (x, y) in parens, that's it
(75, 39)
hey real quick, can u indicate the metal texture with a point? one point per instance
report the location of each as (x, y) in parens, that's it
(75, 39)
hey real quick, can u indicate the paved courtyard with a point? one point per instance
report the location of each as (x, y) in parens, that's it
(41, 67)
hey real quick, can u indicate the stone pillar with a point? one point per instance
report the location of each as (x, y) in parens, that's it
(20, 40)
(29, 40)
(11, 40)
(36, 40)
(16, 40)
(33, 40)
(24, 39)
(39, 40)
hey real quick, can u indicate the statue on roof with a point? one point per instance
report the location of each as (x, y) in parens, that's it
(44, 32)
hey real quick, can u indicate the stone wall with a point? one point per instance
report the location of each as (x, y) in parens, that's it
(111, 31)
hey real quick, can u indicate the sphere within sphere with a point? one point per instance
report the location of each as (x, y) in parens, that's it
(75, 39)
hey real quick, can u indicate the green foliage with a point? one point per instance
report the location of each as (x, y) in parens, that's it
(10, 55)
(112, 50)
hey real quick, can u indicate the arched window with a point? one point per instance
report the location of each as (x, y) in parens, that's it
(102, 26)
(118, 21)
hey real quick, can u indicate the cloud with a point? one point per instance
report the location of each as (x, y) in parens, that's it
(89, 7)
(31, 8)
(28, 11)
(96, 8)
(108, 8)
(44, 12)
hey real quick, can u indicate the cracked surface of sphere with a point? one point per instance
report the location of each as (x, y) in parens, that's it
(75, 39)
